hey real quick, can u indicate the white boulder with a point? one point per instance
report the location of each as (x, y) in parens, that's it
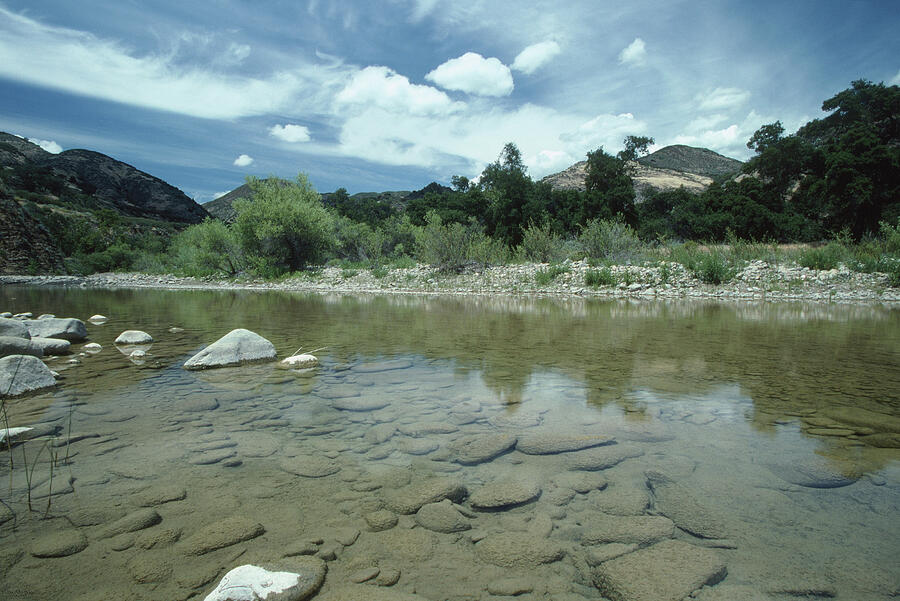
(13, 345)
(253, 583)
(52, 346)
(14, 328)
(97, 319)
(134, 337)
(301, 361)
(234, 348)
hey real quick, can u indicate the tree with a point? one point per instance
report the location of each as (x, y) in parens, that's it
(509, 186)
(283, 226)
(609, 190)
(635, 147)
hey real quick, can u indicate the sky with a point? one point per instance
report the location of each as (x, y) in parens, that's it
(394, 94)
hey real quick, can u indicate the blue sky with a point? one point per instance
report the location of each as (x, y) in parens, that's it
(391, 95)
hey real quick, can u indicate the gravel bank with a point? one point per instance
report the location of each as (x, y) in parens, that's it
(758, 281)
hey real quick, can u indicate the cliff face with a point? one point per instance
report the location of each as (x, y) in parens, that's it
(25, 245)
(669, 168)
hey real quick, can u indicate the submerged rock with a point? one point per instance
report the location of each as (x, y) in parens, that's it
(600, 528)
(680, 505)
(59, 544)
(480, 448)
(69, 329)
(442, 517)
(234, 348)
(223, 533)
(667, 571)
(550, 442)
(518, 550)
(601, 458)
(20, 374)
(504, 494)
(408, 499)
(301, 580)
(815, 472)
(134, 337)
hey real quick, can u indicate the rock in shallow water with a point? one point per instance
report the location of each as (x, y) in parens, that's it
(14, 328)
(680, 505)
(234, 348)
(480, 448)
(518, 550)
(815, 472)
(442, 517)
(69, 329)
(59, 544)
(134, 337)
(301, 580)
(14, 345)
(549, 442)
(667, 571)
(224, 533)
(503, 494)
(20, 374)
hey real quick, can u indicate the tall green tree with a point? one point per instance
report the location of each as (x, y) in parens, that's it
(608, 189)
(283, 227)
(508, 187)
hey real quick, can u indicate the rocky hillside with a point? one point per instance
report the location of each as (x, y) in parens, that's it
(94, 181)
(668, 168)
(25, 244)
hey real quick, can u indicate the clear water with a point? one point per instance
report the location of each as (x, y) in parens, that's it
(746, 409)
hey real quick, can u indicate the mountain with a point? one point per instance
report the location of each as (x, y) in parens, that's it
(95, 181)
(221, 208)
(668, 168)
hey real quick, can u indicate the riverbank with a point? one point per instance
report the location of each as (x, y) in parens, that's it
(757, 281)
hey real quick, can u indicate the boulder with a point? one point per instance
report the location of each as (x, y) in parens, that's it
(52, 346)
(23, 373)
(601, 529)
(681, 505)
(13, 345)
(97, 319)
(61, 543)
(234, 348)
(601, 458)
(134, 337)
(815, 472)
(13, 327)
(408, 499)
(69, 329)
(218, 535)
(518, 550)
(302, 578)
(667, 571)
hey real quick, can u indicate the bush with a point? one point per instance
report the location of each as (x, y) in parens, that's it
(542, 277)
(890, 237)
(283, 227)
(823, 257)
(357, 241)
(610, 240)
(713, 268)
(599, 277)
(541, 245)
(207, 248)
(448, 246)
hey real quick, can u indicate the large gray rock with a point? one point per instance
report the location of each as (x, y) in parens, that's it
(13, 345)
(13, 327)
(518, 550)
(815, 472)
(66, 328)
(667, 571)
(224, 533)
(234, 348)
(480, 448)
(52, 346)
(442, 517)
(23, 373)
(601, 458)
(408, 499)
(301, 579)
(602, 529)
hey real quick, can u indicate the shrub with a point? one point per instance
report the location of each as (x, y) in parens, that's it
(823, 257)
(357, 241)
(541, 245)
(450, 246)
(713, 268)
(890, 237)
(599, 277)
(611, 240)
(207, 248)
(283, 227)
(542, 277)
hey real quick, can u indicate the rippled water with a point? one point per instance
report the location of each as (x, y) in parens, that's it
(765, 435)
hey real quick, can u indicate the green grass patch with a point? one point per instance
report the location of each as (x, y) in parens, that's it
(596, 278)
(544, 277)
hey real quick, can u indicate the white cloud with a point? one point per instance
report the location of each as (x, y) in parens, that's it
(386, 89)
(705, 122)
(722, 99)
(48, 145)
(473, 74)
(603, 130)
(634, 54)
(243, 161)
(896, 80)
(290, 133)
(81, 63)
(535, 56)
(551, 161)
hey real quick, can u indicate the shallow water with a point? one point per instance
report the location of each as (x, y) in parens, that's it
(759, 430)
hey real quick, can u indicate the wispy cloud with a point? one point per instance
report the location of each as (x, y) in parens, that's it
(722, 99)
(81, 63)
(48, 145)
(535, 56)
(290, 133)
(243, 161)
(635, 54)
(473, 74)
